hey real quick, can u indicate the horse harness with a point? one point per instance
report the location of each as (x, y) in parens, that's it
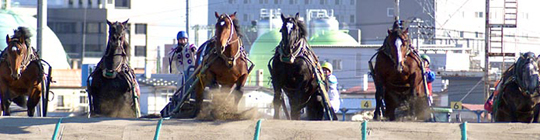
(514, 78)
(240, 52)
(30, 56)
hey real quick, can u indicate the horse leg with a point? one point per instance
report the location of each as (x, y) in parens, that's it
(391, 103)
(3, 92)
(277, 98)
(315, 109)
(239, 92)
(6, 102)
(33, 100)
(199, 91)
(379, 101)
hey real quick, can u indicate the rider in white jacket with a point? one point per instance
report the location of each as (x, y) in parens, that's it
(182, 57)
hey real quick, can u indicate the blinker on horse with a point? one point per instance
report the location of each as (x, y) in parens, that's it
(21, 73)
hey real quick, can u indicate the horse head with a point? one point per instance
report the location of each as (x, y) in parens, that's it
(526, 72)
(228, 36)
(293, 32)
(399, 44)
(17, 51)
(117, 49)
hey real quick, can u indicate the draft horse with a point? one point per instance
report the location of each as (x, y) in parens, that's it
(293, 70)
(113, 90)
(224, 61)
(21, 73)
(398, 77)
(519, 96)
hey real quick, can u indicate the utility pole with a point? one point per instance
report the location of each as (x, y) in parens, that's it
(486, 55)
(396, 10)
(83, 48)
(42, 23)
(187, 16)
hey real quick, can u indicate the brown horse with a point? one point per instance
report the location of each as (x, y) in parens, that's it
(113, 90)
(398, 77)
(225, 59)
(519, 96)
(21, 73)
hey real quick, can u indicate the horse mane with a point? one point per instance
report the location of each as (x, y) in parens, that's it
(23, 32)
(303, 28)
(237, 27)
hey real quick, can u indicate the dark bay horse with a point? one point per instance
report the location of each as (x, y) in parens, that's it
(113, 90)
(21, 73)
(292, 70)
(519, 96)
(225, 60)
(398, 77)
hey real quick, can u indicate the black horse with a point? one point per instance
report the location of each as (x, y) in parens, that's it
(113, 90)
(519, 95)
(292, 70)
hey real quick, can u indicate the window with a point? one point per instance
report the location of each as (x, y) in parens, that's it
(60, 102)
(247, 1)
(276, 1)
(336, 64)
(306, 1)
(353, 2)
(292, 1)
(122, 3)
(461, 34)
(479, 14)
(70, 3)
(260, 1)
(93, 27)
(99, 2)
(109, 1)
(231, 1)
(140, 28)
(63, 27)
(352, 19)
(92, 48)
(338, 2)
(322, 2)
(70, 48)
(90, 3)
(80, 3)
(140, 51)
(83, 100)
(245, 17)
(390, 12)
(359, 64)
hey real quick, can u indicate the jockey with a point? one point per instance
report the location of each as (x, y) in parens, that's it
(182, 56)
(430, 75)
(333, 92)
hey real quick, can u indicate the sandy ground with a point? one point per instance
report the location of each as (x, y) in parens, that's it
(174, 129)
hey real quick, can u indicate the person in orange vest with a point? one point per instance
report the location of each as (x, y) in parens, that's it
(430, 75)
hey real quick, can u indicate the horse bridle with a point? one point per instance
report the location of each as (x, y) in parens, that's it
(396, 60)
(26, 57)
(123, 54)
(294, 53)
(231, 61)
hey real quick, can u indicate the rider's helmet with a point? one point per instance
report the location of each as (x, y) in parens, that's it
(327, 65)
(181, 34)
(426, 58)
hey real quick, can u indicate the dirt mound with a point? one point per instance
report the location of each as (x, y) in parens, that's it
(223, 107)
